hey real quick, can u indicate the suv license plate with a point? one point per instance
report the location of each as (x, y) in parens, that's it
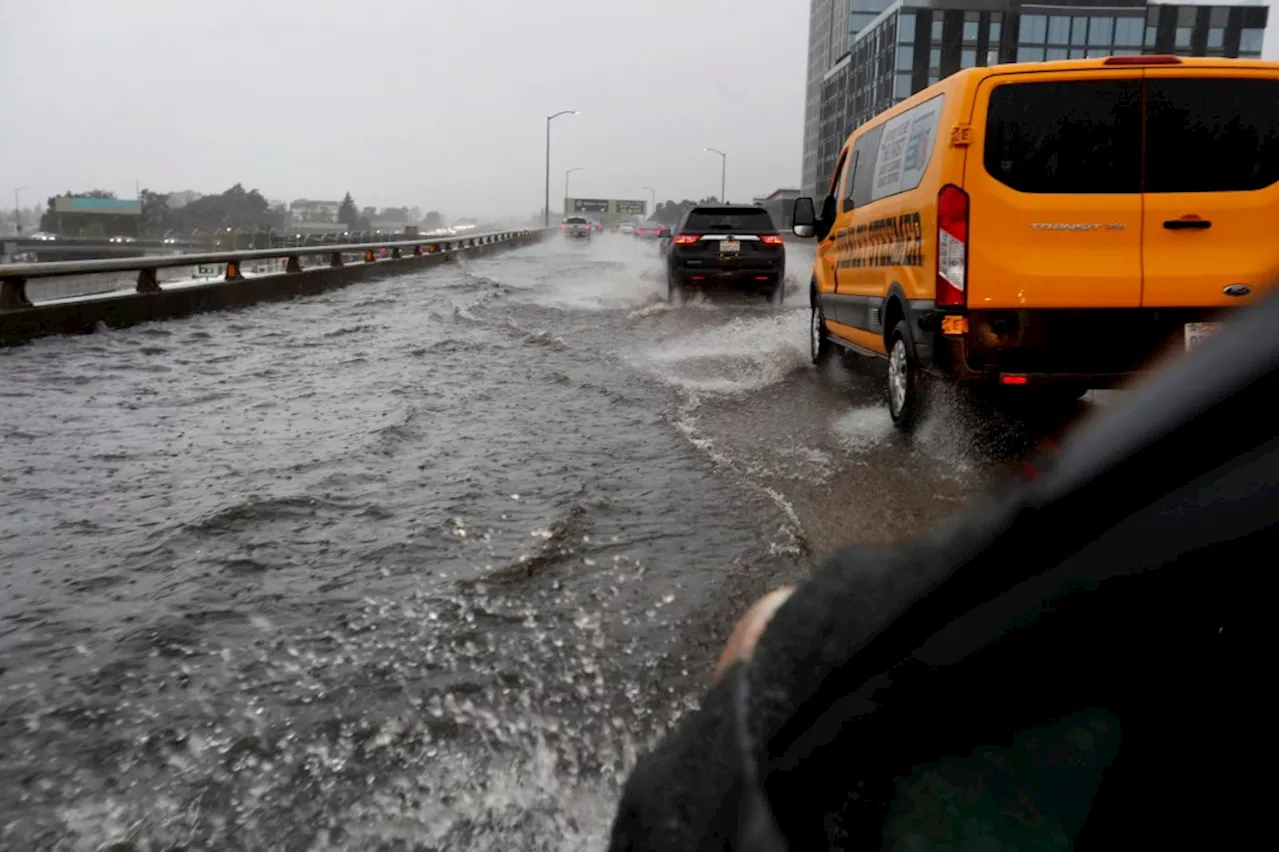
(729, 246)
(1196, 333)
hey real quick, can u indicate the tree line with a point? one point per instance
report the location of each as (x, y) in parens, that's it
(237, 208)
(670, 212)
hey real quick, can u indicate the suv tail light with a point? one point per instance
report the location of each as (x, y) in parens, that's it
(771, 239)
(953, 246)
(685, 239)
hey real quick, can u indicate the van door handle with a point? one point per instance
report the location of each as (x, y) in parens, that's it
(1187, 224)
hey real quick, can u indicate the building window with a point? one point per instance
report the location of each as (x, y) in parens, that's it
(1032, 29)
(1100, 31)
(968, 58)
(1215, 37)
(1150, 40)
(970, 32)
(1129, 32)
(1251, 41)
(902, 86)
(936, 31)
(1030, 54)
(906, 27)
(1182, 37)
(1059, 30)
(935, 58)
(993, 36)
(993, 56)
(1078, 26)
(1053, 53)
(906, 57)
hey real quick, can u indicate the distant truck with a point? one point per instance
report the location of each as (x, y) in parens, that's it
(576, 227)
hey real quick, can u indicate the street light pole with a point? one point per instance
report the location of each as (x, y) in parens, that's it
(653, 200)
(17, 208)
(546, 209)
(723, 158)
(566, 182)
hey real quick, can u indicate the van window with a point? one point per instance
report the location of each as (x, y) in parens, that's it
(1211, 135)
(847, 203)
(867, 151)
(1079, 136)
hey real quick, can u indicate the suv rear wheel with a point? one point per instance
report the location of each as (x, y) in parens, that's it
(904, 378)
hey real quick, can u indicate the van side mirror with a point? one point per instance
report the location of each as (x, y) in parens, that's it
(802, 217)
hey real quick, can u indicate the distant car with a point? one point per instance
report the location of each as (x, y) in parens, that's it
(651, 230)
(596, 226)
(626, 228)
(732, 245)
(576, 227)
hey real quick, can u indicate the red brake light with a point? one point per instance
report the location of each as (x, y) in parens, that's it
(564, 227)
(1142, 60)
(953, 246)
(685, 239)
(771, 239)
(639, 230)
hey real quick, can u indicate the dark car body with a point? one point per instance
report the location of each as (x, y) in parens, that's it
(727, 245)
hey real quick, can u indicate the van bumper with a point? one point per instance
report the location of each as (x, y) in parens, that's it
(1098, 348)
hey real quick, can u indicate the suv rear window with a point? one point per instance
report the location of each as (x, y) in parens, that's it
(710, 220)
(1080, 136)
(575, 220)
(1211, 135)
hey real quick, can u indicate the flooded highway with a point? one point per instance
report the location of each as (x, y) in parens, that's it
(420, 563)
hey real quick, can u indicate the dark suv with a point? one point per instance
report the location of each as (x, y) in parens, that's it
(729, 245)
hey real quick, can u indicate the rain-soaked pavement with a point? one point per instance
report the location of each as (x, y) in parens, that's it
(418, 564)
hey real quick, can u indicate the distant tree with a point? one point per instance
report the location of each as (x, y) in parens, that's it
(236, 208)
(415, 215)
(156, 215)
(347, 212)
(432, 220)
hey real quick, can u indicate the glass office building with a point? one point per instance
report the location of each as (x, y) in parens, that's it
(895, 49)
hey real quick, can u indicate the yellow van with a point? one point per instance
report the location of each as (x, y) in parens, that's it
(1048, 225)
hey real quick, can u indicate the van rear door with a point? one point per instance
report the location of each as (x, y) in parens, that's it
(1054, 183)
(1211, 198)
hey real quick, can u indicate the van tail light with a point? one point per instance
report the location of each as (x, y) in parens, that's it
(771, 239)
(1142, 60)
(953, 246)
(685, 239)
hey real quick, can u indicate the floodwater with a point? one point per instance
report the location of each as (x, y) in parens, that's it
(421, 563)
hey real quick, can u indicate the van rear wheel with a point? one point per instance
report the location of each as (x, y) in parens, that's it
(904, 378)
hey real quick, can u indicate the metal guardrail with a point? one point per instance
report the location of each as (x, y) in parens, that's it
(14, 276)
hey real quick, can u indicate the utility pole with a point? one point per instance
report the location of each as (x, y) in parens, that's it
(723, 158)
(17, 208)
(546, 208)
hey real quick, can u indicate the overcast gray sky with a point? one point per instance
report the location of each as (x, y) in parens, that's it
(434, 103)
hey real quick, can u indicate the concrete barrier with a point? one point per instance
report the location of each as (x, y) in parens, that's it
(21, 321)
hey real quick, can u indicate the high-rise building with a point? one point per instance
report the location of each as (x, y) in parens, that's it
(882, 51)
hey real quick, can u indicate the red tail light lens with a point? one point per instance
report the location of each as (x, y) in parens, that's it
(771, 239)
(564, 227)
(639, 230)
(685, 239)
(953, 246)
(1142, 60)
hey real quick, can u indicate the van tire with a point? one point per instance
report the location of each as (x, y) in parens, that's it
(819, 345)
(904, 378)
